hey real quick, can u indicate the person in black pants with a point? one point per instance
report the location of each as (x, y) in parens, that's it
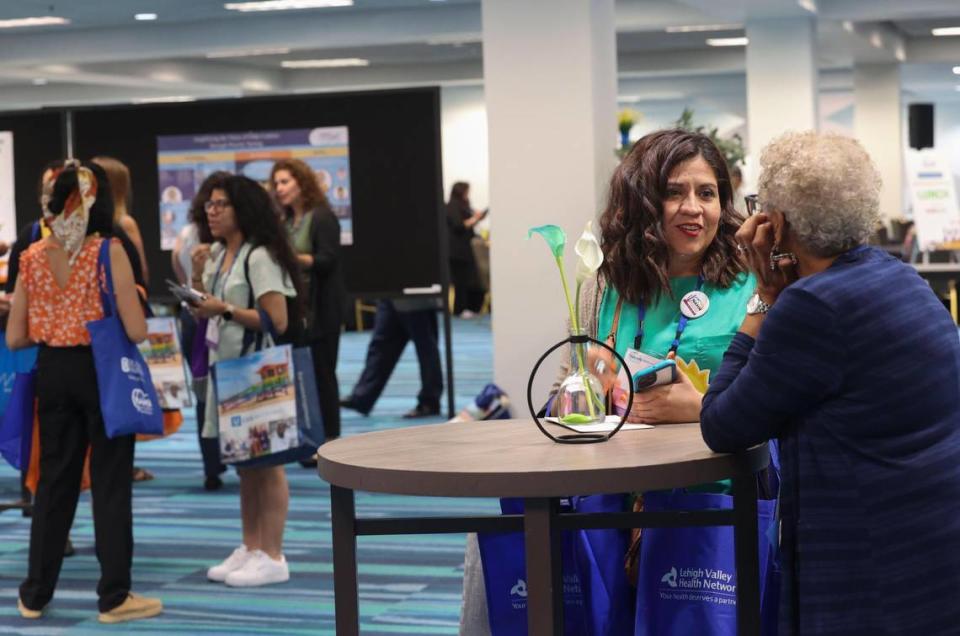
(468, 290)
(314, 232)
(396, 323)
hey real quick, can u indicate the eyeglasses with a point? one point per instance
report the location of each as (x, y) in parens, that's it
(753, 204)
(219, 205)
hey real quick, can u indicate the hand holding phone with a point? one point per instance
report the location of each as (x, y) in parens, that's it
(186, 294)
(663, 372)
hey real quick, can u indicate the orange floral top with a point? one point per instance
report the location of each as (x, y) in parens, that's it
(57, 316)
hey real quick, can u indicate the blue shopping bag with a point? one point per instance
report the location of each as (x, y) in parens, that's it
(687, 577)
(128, 399)
(16, 427)
(13, 362)
(598, 556)
(505, 579)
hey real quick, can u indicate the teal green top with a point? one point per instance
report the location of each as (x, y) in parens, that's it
(705, 339)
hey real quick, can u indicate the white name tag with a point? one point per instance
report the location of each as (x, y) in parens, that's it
(213, 333)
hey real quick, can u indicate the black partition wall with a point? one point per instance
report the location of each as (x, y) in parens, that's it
(37, 140)
(395, 174)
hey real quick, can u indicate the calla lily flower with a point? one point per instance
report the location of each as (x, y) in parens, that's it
(554, 235)
(587, 248)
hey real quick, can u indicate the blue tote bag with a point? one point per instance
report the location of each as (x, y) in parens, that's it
(687, 578)
(505, 579)
(609, 597)
(16, 427)
(128, 399)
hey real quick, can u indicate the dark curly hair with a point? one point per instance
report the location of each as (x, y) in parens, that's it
(197, 214)
(310, 191)
(636, 254)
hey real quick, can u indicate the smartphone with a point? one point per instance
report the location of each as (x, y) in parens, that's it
(663, 372)
(186, 294)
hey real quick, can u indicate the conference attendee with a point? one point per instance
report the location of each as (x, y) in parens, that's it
(119, 176)
(315, 234)
(851, 361)
(194, 238)
(396, 323)
(248, 232)
(461, 218)
(55, 296)
(667, 233)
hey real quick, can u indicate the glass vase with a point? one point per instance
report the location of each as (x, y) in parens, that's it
(580, 397)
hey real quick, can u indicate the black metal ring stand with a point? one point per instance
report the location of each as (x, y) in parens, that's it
(578, 438)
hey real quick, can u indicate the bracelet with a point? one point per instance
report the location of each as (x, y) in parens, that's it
(197, 280)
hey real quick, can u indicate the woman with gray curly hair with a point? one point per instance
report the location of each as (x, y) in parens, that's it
(847, 357)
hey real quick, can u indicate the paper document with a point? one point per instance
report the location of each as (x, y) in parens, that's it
(605, 426)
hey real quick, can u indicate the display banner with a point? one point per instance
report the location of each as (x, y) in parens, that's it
(184, 161)
(934, 199)
(8, 210)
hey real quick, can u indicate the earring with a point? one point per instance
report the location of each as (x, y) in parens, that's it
(776, 256)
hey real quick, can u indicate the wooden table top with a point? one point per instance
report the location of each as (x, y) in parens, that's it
(512, 458)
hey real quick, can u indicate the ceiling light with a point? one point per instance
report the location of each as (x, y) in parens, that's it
(946, 31)
(39, 81)
(170, 99)
(956, 70)
(285, 5)
(727, 41)
(166, 76)
(694, 28)
(329, 63)
(255, 85)
(248, 52)
(809, 5)
(144, 17)
(31, 22)
(59, 69)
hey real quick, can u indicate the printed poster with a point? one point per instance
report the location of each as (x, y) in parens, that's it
(184, 161)
(8, 213)
(168, 369)
(934, 199)
(256, 404)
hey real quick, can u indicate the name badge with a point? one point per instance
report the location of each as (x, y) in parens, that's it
(212, 335)
(694, 304)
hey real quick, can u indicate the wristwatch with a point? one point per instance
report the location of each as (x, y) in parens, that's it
(756, 306)
(228, 312)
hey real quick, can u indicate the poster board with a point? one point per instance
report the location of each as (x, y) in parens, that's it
(184, 161)
(934, 199)
(8, 205)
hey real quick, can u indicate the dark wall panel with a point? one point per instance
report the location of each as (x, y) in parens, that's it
(37, 140)
(394, 169)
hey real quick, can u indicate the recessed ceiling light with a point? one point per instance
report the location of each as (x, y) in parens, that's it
(285, 5)
(956, 70)
(39, 81)
(170, 99)
(329, 63)
(166, 76)
(31, 22)
(145, 16)
(255, 85)
(809, 5)
(727, 41)
(248, 52)
(946, 31)
(695, 28)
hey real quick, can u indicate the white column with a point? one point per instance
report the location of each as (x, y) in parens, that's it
(878, 125)
(781, 80)
(550, 86)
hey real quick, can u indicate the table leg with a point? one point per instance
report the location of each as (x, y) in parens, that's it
(345, 588)
(544, 574)
(746, 549)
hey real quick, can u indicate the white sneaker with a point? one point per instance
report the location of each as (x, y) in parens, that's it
(466, 314)
(232, 563)
(259, 569)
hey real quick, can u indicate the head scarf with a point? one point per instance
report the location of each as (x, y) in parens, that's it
(70, 226)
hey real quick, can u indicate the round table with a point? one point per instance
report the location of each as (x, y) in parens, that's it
(512, 458)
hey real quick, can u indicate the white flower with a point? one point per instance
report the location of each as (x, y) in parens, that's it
(588, 249)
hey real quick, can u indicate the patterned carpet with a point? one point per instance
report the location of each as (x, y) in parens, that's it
(408, 584)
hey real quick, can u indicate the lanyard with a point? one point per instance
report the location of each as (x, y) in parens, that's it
(681, 325)
(216, 274)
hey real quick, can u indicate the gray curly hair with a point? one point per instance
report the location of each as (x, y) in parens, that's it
(826, 186)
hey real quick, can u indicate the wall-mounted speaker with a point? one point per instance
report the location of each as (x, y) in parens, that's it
(921, 125)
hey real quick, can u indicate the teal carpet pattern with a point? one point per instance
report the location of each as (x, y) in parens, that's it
(408, 584)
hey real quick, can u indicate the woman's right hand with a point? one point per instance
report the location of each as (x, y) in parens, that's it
(199, 256)
(756, 240)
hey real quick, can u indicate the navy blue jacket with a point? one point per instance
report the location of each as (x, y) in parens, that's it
(856, 370)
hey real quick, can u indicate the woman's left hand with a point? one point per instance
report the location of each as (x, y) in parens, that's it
(667, 403)
(209, 308)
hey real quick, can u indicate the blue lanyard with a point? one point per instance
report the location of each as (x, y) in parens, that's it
(681, 325)
(216, 274)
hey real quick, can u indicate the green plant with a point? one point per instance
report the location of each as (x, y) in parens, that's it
(731, 147)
